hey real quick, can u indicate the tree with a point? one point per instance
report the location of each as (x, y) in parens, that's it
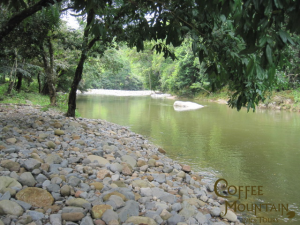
(240, 42)
(20, 15)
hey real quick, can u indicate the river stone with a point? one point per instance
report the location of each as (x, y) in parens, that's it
(151, 162)
(161, 178)
(43, 136)
(202, 219)
(73, 216)
(129, 159)
(79, 202)
(86, 221)
(162, 151)
(109, 215)
(7, 182)
(175, 219)
(98, 210)
(99, 159)
(215, 211)
(37, 197)
(165, 215)
(10, 165)
(116, 167)
(31, 164)
(51, 144)
(130, 209)
(59, 132)
(117, 200)
(102, 173)
(127, 171)
(10, 208)
(187, 210)
(186, 168)
(229, 216)
(27, 179)
(65, 190)
(141, 220)
(35, 215)
(98, 186)
(53, 159)
(141, 163)
(107, 196)
(55, 219)
(120, 183)
(57, 125)
(11, 140)
(141, 183)
(195, 202)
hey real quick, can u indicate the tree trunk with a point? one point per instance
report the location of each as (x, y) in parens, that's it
(18, 18)
(86, 46)
(49, 70)
(39, 81)
(13, 74)
(19, 82)
(75, 83)
(45, 89)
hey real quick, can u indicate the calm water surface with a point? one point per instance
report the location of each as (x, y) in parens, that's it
(246, 149)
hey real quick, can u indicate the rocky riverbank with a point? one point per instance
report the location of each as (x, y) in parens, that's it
(59, 170)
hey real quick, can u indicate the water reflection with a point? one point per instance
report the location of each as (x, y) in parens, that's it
(256, 149)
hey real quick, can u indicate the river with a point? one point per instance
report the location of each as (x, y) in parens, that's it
(246, 149)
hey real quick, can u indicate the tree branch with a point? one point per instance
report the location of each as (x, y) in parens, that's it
(18, 18)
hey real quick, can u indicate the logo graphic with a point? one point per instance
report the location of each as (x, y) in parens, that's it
(247, 191)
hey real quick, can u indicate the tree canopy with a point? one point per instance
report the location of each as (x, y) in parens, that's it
(240, 43)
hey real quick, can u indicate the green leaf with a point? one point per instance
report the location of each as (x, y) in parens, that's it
(278, 4)
(269, 54)
(223, 18)
(250, 68)
(283, 35)
(259, 72)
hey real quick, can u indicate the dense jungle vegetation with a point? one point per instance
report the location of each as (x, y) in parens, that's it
(244, 49)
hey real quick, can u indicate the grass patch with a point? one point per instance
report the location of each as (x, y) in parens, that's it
(24, 97)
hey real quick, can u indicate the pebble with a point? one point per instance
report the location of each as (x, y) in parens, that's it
(56, 170)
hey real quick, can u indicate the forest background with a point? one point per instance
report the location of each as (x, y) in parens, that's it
(42, 54)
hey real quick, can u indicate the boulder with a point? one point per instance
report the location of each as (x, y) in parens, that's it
(184, 106)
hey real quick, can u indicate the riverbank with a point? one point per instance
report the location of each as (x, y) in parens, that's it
(284, 100)
(60, 170)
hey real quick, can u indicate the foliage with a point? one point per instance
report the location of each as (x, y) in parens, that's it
(238, 43)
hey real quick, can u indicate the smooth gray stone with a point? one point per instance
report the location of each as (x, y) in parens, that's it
(74, 181)
(55, 219)
(35, 215)
(54, 168)
(109, 215)
(130, 209)
(31, 164)
(53, 188)
(5, 196)
(27, 179)
(87, 221)
(24, 205)
(202, 219)
(161, 178)
(175, 219)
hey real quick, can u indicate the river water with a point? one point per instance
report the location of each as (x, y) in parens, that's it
(246, 149)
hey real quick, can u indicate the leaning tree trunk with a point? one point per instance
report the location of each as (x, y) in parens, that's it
(75, 83)
(86, 46)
